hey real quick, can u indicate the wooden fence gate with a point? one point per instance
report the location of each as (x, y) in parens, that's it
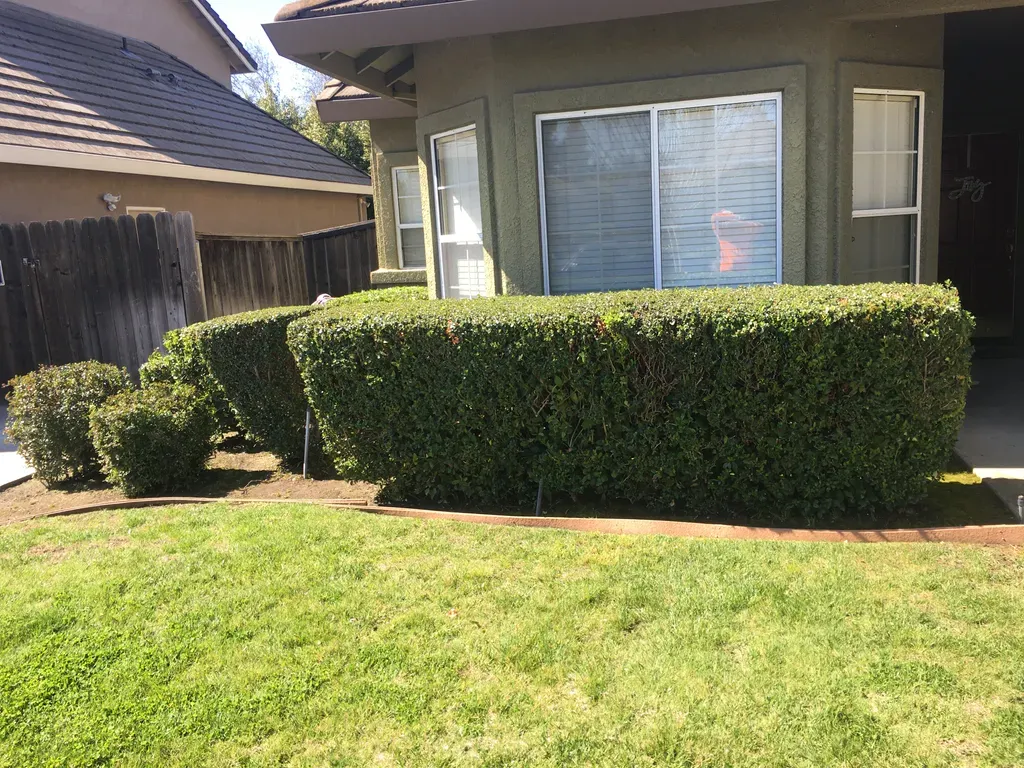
(99, 289)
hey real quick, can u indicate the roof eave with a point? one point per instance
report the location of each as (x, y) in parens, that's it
(465, 18)
(368, 108)
(243, 62)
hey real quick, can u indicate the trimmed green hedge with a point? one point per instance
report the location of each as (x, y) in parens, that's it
(247, 356)
(778, 402)
(399, 295)
(250, 363)
(48, 416)
(154, 439)
(182, 364)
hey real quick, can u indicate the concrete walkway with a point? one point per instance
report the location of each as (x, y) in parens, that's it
(13, 468)
(992, 439)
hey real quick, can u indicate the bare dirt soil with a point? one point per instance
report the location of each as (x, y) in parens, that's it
(254, 475)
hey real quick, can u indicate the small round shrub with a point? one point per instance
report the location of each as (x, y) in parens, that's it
(48, 417)
(154, 439)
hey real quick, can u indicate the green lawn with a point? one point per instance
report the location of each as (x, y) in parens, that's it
(312, 637)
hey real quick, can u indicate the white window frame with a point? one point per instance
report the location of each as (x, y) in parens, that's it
(2, 281)
(135, 210)
(654, 109)
(914, 210)
(399, 226)
(435, 183)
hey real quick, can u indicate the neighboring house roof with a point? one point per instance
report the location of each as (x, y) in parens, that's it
(304, 9)
(222, 29)
(75, 96)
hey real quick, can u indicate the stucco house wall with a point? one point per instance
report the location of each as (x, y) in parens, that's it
(814, 55)
(35, 193)
(393, 146)
(167, 24)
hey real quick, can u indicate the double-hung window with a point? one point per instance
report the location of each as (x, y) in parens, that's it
(886, 232)
(412, 252)
(666, 195)
(459, 217)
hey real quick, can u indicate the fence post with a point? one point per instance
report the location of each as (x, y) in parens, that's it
(190, 263)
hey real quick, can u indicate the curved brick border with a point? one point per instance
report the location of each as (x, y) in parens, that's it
(991, 535)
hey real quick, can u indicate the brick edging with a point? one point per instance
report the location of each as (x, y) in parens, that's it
(990, 535)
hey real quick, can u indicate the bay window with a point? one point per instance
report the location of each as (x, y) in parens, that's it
(669, 195)
(459, 216)
(412, 251)
(886, 232)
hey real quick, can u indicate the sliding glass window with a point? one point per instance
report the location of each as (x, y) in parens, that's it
(670, 195)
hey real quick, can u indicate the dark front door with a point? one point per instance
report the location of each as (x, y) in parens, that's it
(978, 223)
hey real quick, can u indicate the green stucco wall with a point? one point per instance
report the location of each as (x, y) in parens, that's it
(798, 48)
(393, 146)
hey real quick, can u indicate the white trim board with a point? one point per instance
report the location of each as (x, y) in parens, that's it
(220, 27)
(83, 161)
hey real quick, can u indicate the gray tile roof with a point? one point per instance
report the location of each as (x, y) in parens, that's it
(305, 9)
(67, 86)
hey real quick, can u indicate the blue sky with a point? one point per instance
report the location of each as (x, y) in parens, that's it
(245, 17)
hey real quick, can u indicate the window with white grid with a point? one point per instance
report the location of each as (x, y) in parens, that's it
(412, 251)
(887, 131)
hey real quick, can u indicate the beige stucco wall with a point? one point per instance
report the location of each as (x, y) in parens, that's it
(502, 77)
(31, 193)
(167, 24)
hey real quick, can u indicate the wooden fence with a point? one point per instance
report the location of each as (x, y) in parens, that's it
(99, 289)
(240, 275)
(109, 289)
(339, 261)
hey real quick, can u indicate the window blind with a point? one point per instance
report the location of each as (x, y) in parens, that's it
(718, 171)
(599, 203)
(712, 220)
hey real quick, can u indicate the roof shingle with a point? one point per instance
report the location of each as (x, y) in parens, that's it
(67, 86)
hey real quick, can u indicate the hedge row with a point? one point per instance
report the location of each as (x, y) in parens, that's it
(776, 402)
(247, 356)
(248, 360)
(182, 364)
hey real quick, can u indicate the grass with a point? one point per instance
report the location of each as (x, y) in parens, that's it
(302, 636)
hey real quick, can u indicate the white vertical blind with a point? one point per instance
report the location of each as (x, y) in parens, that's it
(718, 170)
(460, 228)
(712, 219)
(599, 205)
(886, 198)
(409, 218)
